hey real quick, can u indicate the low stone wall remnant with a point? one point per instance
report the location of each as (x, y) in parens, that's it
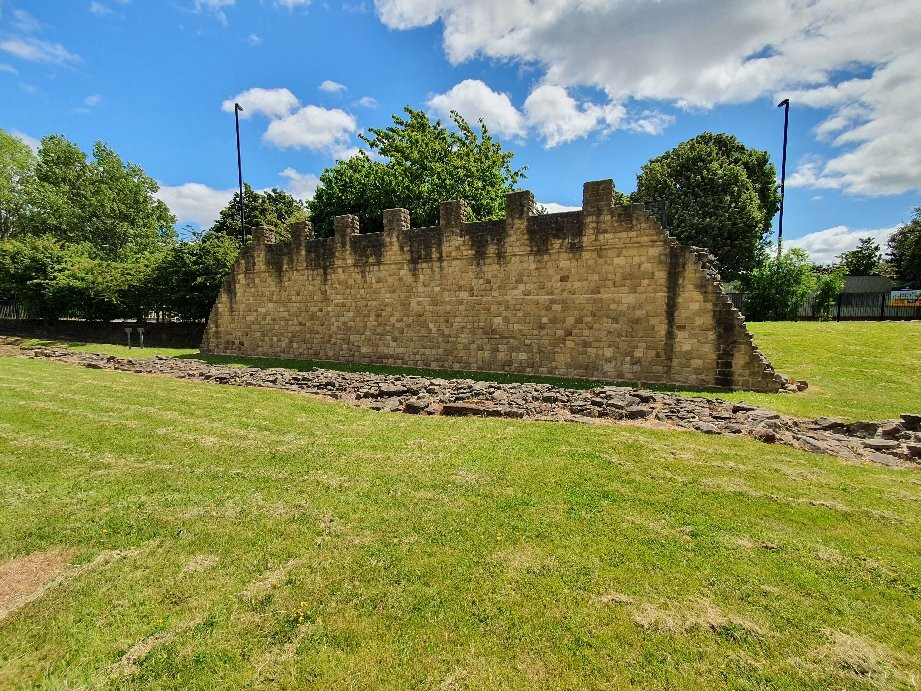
(895, 443)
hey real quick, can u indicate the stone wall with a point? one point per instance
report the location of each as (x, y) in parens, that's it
(601, 293)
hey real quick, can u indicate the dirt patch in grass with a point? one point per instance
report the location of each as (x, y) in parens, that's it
(25, 578)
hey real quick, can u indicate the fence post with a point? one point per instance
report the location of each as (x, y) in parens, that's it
(882, 306)
(839, 307)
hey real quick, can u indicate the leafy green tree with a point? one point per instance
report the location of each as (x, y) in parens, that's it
(273, 208)
(905, 251)
(720, 195)
(190, 274)
(416, 165)
(28, 267)
(865, 260)
(104, 203)
(825, 294)
(16, 162)
(776, 289)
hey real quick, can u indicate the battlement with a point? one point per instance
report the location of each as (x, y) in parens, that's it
(600, 293)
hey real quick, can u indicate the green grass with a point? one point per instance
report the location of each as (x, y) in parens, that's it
(855, 370)
(274, 540)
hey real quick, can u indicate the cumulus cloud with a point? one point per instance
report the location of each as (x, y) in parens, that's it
(36, 50)
(558, 118)
(549, 110)
(271, 102)
(291, 4)
(473, 99)
(367, 102)
(824, 246)
(331, 87)
(194, 202)
(254, 40)
(300, 185)
(314, 128)
(858, 58)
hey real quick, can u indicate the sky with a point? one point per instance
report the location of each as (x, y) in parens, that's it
(579, 90)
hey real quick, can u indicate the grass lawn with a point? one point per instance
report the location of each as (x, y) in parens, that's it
(202, 536)
(855, 370)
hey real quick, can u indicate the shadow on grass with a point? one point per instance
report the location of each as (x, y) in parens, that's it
(499, 377)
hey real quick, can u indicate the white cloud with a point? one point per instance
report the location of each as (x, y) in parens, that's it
(100, 10)
(254, 40)
(332, 87)
(474, 100)
(367, 102)
(215, 7)
(36, 50)
(554, 208)
(9, 69)
(824, 246)
(194, 202)
(314, 128)
(550, 110)
(710, 52)
(649, 122)
(271, 102)
(25, 22)
(300, 185)
(559, 118)
(809, 174)
(91, 101)
(291, 4)
(26, 139)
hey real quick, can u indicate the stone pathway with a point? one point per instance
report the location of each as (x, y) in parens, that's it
(895, 443)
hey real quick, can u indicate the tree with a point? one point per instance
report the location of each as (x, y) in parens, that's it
(28, 267)
(417, 165)
(865, 260)
(105, 203)
(16, 162)
(190, 275)
(720, 195)
(828, 285)
(776, 289)
(273, 208)
(905, 251)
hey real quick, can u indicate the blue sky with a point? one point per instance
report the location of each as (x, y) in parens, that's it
(580, 91)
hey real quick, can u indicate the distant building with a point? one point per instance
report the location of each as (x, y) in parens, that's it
(867, 284)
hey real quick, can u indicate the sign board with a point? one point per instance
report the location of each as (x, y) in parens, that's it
(905, 298)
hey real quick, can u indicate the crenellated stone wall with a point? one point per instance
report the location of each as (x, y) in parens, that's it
(601, 293)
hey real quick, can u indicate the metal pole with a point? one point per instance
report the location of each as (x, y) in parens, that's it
(236, 115)
(783, 170)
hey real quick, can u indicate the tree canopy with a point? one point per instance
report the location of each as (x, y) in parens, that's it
(416, 164)
(104, 203)
(16, 162)
(273, 208)
(905, 251)
(864, 260)
(720, 195)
